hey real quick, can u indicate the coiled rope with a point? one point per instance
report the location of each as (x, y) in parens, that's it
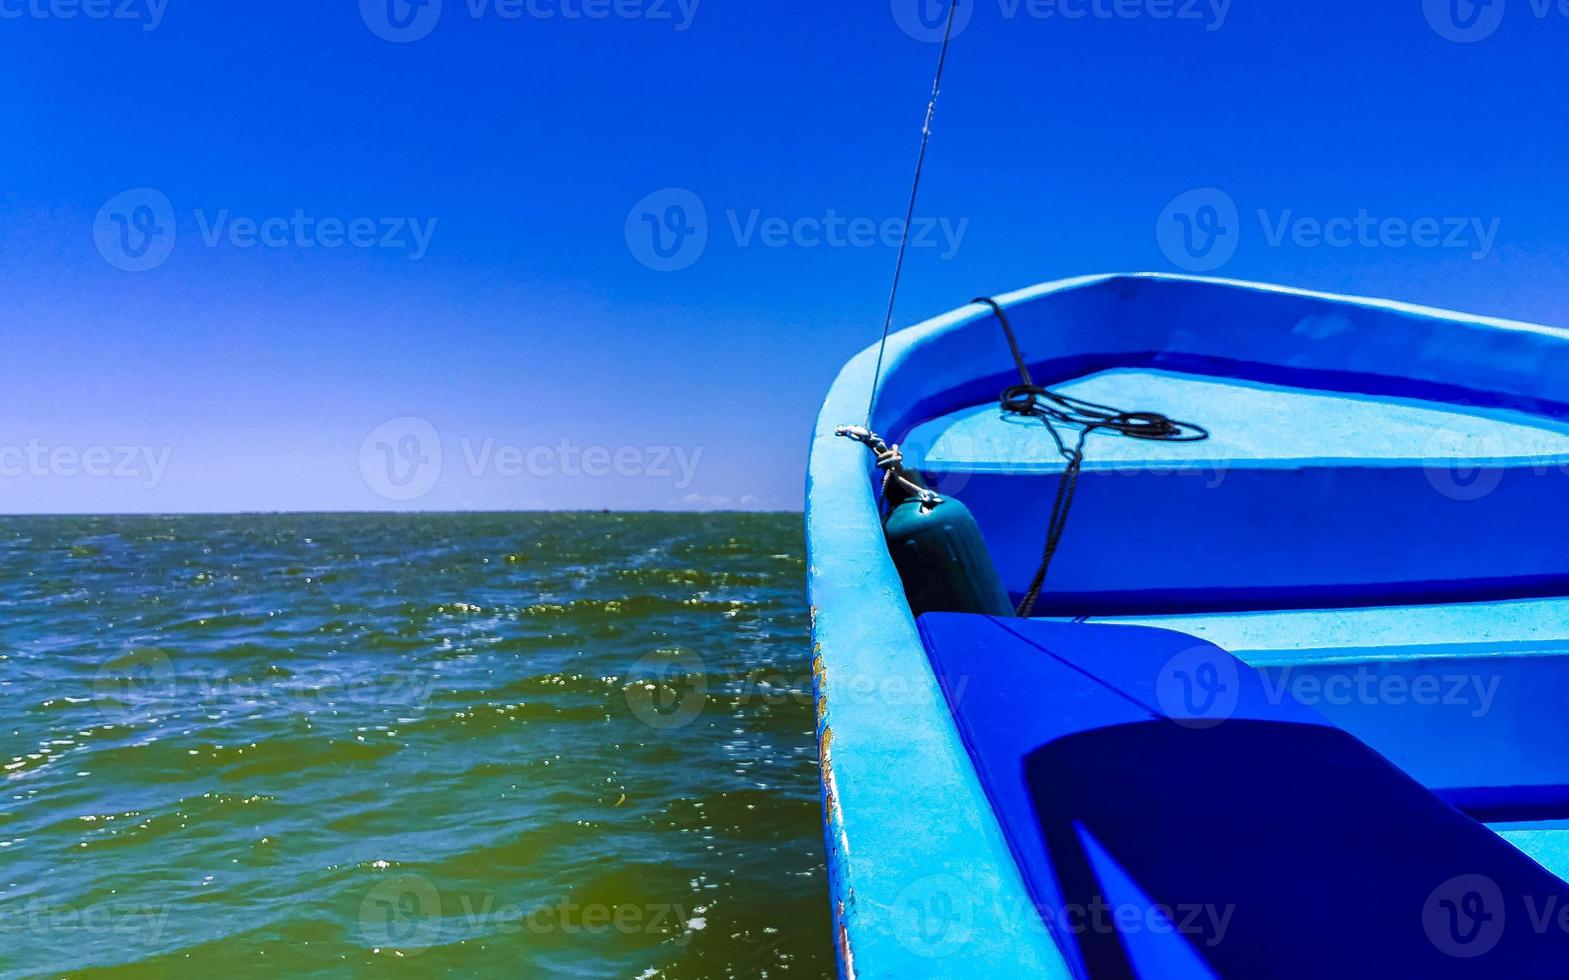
(1029, 400)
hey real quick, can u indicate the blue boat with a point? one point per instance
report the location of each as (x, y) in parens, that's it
(1288, 698)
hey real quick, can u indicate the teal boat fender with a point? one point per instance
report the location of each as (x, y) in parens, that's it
(942, 559)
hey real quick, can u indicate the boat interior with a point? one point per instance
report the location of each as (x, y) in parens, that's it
(1400, 562)
(1341, 621)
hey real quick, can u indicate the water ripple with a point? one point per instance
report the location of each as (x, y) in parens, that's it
(363, 744)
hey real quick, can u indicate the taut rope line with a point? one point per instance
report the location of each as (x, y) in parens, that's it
(909, 217)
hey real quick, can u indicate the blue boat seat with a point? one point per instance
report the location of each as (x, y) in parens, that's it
(1466, 697)
(1299, 498)
(1174, 816)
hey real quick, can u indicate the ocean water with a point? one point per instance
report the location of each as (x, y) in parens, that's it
(347, 745)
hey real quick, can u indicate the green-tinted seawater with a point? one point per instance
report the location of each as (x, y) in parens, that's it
(520, 745)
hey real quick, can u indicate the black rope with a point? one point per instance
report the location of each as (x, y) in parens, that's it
(909, 217)
(1029, 400)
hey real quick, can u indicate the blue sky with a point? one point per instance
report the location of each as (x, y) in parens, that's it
(327, 254)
